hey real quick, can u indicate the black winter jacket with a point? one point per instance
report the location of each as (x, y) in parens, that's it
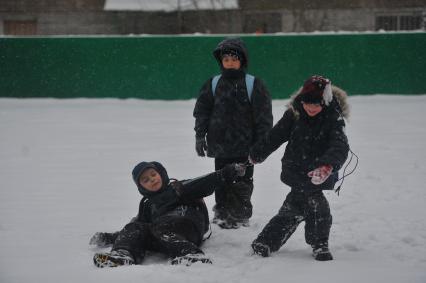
(312, 142)
(232, 121)
(176, 199)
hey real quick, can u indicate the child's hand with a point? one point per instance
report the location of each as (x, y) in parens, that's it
(319, 175)
(255, 159)
(251, 160)
(232, 171)
(240, 169)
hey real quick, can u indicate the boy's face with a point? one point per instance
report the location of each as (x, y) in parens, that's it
(151, 180)
(312, 109)
(231, 62)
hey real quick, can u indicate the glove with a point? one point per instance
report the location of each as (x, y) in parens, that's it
(255, 157)
(232, 171)
(252, 160)
(240, 168)
(201, 146)
(321, 174)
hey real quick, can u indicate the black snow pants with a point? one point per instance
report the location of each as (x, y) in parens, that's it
(312, 207)
(234, 199)
(175, 237)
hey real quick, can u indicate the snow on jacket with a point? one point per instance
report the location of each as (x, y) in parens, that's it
(232, 121)
(312, 141)
(175, 199)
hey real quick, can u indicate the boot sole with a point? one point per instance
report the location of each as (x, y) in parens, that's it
(323, 257)
(104, 260)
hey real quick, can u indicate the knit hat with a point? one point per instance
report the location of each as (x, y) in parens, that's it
(316, 90)
(230, 52)
(234, 47)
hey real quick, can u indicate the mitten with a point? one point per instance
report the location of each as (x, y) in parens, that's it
(200, 146)
(232, 171)
(321, 174)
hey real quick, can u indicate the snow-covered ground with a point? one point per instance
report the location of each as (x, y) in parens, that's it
(65, 173)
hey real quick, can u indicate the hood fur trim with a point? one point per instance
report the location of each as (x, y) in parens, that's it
(338, 93)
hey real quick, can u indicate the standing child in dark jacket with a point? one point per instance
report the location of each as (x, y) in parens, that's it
(232, 112)
(172, 217)
(317, 147)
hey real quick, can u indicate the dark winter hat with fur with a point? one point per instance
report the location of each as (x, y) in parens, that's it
(316, 90)
(141, 167)
(234, 47)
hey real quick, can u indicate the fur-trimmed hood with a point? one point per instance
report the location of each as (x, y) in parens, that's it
(340, 102)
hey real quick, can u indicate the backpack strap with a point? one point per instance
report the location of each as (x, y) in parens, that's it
(249, 84)
(214, 83)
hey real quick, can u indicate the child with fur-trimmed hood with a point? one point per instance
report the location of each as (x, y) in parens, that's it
(314, 128)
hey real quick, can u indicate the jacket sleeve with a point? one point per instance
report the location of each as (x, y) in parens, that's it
(262, 110)
(199, 187)
(202, 110)
(278, 135)
(338, 149)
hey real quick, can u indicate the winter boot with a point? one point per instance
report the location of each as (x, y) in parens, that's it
(220, 214)
(243, 222)
(261, 249)
(222, 219)
(233, 223)
(238, 222)
(190, 259)
(113, 259)
(321, 252)
(228, 224)
(102, 239)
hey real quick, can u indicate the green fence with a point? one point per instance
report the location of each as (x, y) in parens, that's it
(175, 67)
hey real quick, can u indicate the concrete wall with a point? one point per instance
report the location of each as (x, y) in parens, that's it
(336, 19)
(64, 17)
(328, 4)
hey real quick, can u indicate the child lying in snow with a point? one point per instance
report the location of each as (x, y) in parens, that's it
(172, 218)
